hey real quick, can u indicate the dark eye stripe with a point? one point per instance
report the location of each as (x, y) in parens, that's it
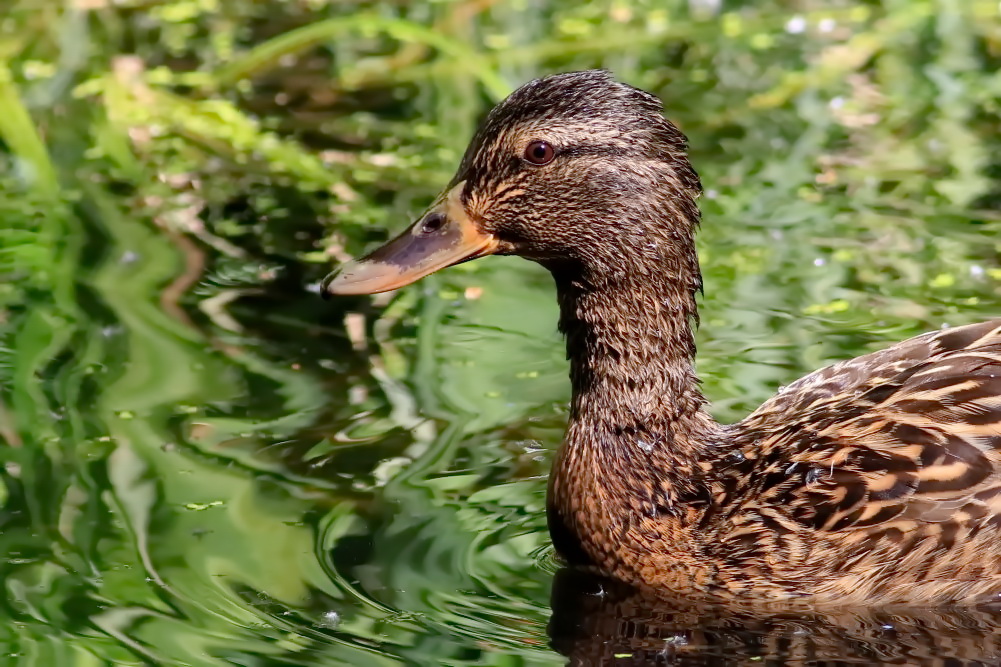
(515, 164)
(610, 151)
(515, 167)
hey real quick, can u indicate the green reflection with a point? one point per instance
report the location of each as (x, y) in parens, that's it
(205, 464)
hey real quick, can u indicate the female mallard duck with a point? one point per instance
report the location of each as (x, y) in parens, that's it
(875, 480)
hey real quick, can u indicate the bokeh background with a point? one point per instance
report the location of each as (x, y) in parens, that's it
(205, 464)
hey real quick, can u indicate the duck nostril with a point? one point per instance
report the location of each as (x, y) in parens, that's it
(432, 223)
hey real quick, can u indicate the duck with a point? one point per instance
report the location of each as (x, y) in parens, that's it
(874, 481)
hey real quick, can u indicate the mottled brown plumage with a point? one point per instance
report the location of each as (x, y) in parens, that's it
(877, 480)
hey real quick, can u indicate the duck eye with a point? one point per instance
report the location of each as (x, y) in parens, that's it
(539, 152)
(432, 223)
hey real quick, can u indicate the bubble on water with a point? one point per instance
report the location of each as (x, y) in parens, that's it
(531, 446)
(330, 619)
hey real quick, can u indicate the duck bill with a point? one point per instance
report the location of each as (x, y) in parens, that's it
(444, 236)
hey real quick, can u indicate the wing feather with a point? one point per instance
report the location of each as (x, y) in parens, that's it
(905, 438)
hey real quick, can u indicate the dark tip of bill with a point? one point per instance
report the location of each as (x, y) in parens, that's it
(325, 284)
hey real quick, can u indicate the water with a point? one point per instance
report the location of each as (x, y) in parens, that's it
(205, 464)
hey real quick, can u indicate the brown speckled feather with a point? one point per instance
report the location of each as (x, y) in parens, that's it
(889, 464)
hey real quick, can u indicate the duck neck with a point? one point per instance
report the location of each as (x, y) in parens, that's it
(639, 430)
(631, 347)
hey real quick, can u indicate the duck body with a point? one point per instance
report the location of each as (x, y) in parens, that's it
(875, 481)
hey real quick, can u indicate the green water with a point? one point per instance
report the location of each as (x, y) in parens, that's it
(205, 464)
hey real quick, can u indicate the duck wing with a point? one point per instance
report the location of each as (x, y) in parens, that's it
(902, 439)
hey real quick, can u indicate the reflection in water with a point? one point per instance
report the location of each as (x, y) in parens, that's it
(600, 622)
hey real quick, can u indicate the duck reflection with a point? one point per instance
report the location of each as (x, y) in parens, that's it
(597, 621)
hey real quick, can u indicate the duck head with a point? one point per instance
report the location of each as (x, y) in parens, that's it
(575, 171)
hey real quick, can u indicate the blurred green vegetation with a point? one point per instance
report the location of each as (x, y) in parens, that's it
(204, 464)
